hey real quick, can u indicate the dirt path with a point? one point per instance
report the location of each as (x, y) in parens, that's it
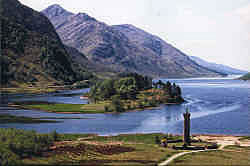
(221, 140)
(224, 140)
(181, 154)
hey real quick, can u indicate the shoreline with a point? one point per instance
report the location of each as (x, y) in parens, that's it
(29, 107)
(38, 90)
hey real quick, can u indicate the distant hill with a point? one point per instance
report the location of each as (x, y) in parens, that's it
(245, 77)
(31, 50)
(217, 67)
(123, 48)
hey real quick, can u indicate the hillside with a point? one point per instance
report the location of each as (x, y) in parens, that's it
(81, 63)
(245, 77)
(123, 47)
(217, 67)
(32, 52)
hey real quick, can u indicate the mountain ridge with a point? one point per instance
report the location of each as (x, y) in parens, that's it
(115, 47)
(218, 67)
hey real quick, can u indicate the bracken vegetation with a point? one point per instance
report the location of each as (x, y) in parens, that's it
(18, 144)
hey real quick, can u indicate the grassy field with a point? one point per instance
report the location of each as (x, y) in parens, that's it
(132, 149)
(126, 149)
(5, 118)
(68, 108)
(24, 88)
(122, 150)
(231, 155)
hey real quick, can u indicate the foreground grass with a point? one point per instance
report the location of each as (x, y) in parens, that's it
(136, 138)
(232, 155)
(91, 149)
(143, 151)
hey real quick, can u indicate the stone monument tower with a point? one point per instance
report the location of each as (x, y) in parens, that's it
(186, 136)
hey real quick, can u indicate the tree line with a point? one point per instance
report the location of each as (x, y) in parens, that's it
(126, 86)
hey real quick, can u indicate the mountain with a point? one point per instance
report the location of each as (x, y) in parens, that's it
(245, 77)
(81, 63)
(31, 50)
(122, 47)
(217, 67)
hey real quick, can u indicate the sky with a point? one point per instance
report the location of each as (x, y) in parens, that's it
(214, 30)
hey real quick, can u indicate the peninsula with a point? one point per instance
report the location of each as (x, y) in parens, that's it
(128, 92)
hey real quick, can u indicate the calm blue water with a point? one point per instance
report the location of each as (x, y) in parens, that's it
(217, 106)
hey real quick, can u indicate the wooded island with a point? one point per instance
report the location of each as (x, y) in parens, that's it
(132, 91)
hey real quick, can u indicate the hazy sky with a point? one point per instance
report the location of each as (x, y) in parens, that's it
(215, 30)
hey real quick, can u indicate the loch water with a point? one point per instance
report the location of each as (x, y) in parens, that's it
(217, 106)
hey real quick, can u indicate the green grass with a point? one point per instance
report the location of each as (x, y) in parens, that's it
(74, 137)
(237, 156)
(5, 118)
(136, 138)
(145, 152)
(68, 108)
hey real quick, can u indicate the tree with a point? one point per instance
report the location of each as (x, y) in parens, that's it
(126, 87)
(116, 104)
(178, 91)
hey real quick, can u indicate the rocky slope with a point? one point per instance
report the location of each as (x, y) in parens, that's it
(122, 47)
(217, 67)
(171, 60)
(31, 50)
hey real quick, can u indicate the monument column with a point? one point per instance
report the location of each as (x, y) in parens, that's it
(186, 130)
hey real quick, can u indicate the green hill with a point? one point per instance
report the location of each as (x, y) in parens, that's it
(31, 50)
(245, 77)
